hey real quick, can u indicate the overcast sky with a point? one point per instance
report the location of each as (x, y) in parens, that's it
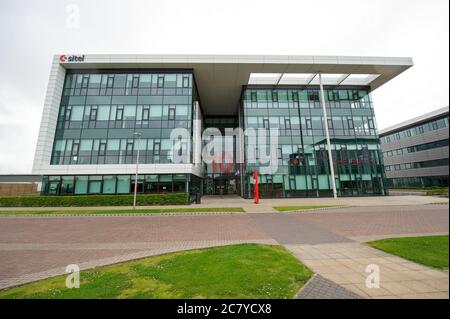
(32, 31)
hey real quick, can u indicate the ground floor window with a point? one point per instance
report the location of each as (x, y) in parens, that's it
(118, 184)
(312, 185)
(422, 181)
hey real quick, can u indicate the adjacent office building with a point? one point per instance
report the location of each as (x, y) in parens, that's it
(416, 151)
(102, 110)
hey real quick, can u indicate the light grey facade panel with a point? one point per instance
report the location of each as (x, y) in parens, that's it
(416, 151)
(426, 137)
(421, 156)
(420, 172)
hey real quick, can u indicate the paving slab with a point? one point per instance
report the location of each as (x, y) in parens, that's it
(399, 278)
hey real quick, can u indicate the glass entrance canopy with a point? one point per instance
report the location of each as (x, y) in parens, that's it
(310, 79)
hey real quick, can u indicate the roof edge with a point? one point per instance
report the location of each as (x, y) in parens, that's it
(415, 120)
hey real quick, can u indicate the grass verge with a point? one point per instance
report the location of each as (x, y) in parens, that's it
(127, 211)
(307, 207)
(429, 250)
(236, 271)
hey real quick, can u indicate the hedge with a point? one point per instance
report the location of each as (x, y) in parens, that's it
(438, 191)
(94, 200)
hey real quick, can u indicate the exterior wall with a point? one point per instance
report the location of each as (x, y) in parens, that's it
(43, 153)
(221, 79)
(16, 189)
(61, 131)
(402, 164)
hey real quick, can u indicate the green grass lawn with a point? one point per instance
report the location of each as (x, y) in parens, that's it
(237, 271)
(429, 250)
(128, 211)
(291, 208)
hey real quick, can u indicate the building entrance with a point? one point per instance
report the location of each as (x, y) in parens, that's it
(224, 185)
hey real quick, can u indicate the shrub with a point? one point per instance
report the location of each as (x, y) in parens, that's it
(94, 200)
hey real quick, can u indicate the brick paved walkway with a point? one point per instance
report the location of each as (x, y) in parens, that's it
(33, 248)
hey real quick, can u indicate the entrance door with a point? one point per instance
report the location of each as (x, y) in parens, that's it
(220, 187)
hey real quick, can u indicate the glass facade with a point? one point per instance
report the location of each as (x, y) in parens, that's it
(221, 177)
(114, 184)
(303, 165)
(99, 113)
(101, 110)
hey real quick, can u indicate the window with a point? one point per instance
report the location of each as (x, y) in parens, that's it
(157, 148)
(287, 124)
(145, 114)
(274, 96)
(102, 149)
(135, 82)
(371, 124)
(185, 81)
(253, 96)
(330, 124)
(295, 96)
(95, 184)
(434, 125)
(85, 81)
(171, 115)
(119, 114)
(308, 124)
(313, 96)
(93, 115)
(350, 124)
(81, 184)
(129, 150)
(109, 185)
(160, 81)
(266, 123)
(75, 147)
(110, 82)
(68, 113)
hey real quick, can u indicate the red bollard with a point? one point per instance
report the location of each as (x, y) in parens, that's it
(255, 187)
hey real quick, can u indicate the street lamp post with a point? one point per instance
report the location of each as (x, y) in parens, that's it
(138, 135)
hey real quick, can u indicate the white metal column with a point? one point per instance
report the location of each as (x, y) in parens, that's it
(327, 134)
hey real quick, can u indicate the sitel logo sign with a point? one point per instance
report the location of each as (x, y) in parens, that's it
(71, 58)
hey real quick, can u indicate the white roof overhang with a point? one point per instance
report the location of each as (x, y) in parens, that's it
(220, 78)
